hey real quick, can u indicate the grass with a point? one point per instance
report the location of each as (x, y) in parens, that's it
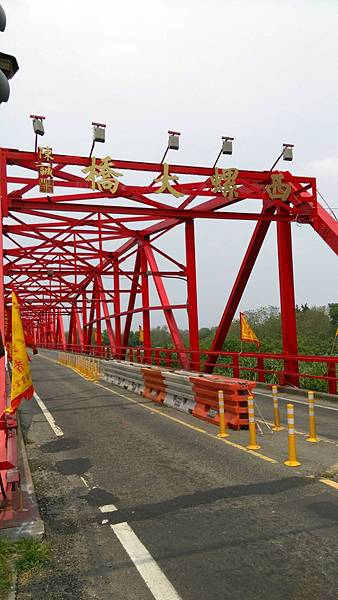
(22, 556)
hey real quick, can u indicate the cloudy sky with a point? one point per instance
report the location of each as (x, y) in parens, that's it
(263, 71)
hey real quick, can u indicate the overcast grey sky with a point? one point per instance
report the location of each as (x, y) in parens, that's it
(262, 71)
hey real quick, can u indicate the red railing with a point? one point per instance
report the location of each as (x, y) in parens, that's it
(318, 372)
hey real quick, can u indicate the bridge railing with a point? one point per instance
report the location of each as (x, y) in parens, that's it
(314, 372)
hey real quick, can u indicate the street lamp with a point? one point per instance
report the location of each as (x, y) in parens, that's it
(8, 64)
(286, 154)
(99, 135)
(173, 142)
(226, 147)
(38, 128)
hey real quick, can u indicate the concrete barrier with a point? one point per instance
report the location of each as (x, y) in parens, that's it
(179, 392)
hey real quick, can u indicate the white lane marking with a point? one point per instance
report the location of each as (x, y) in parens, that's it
(107, 508)
(84, 481)
(298, 401)
(48, 416)
(152, 575)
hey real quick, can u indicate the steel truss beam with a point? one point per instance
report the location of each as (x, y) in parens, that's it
(85, 260)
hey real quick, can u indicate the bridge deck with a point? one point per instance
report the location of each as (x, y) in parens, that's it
(219, 522)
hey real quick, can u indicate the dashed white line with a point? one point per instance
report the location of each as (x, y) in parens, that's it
(107, 508)
(152, 575)
(84, 481)
(48, 416)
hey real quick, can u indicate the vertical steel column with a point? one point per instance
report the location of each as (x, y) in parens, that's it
(131, 303)
(145, 303)
(75, 260)
(3, 403)
(192, 307)
(117, 307)
(287, 300)
(98, 318)
(84, 319)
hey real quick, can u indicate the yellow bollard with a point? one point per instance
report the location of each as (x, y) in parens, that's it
(96, 371)
(276, 415)
(252, 425)
(292, 460)
(312, 437)
(222, 424)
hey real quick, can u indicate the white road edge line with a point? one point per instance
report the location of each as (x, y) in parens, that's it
(152, 575)
(48, 416)
(297, 401)
(107, 508)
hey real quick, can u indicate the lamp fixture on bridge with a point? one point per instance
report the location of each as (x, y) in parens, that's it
(226, 147)
(173, 142)
(38, 128)
(286, 154)
(287, 151)
(99, 134)
(38, 125)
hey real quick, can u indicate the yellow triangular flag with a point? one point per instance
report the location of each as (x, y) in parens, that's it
(247, 333)
(22, 386)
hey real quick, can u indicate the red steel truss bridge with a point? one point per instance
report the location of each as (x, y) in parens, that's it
(73, 225)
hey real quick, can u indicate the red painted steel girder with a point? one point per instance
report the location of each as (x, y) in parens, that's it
(67, 253)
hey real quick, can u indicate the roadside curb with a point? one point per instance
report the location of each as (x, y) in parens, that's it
(26, 522)
(301, 393)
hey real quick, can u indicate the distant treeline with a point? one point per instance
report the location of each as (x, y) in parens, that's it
(316, 326)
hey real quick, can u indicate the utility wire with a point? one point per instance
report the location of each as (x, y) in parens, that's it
(327, 205)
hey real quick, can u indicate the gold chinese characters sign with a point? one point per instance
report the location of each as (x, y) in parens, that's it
(102, 175)
(45, 167)
(166, 181)
(278, 189)
(224, 182)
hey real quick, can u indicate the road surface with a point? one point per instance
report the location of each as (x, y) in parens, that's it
(142, 502)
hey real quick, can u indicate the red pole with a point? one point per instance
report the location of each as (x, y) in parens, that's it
(145, 305)
(131, 303)
(3, 403)
(84, 319)
(287, 300)
(192, 295)
(98, 317)
(117, 307)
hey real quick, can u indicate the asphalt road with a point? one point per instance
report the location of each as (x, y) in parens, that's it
(218, 522)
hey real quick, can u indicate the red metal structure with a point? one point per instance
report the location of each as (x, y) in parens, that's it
(73, 225)
(69, 246)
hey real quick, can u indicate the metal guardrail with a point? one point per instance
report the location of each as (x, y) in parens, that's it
(317, 372)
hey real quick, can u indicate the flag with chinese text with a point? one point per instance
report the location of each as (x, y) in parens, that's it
(247, 334)
(22, 386)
